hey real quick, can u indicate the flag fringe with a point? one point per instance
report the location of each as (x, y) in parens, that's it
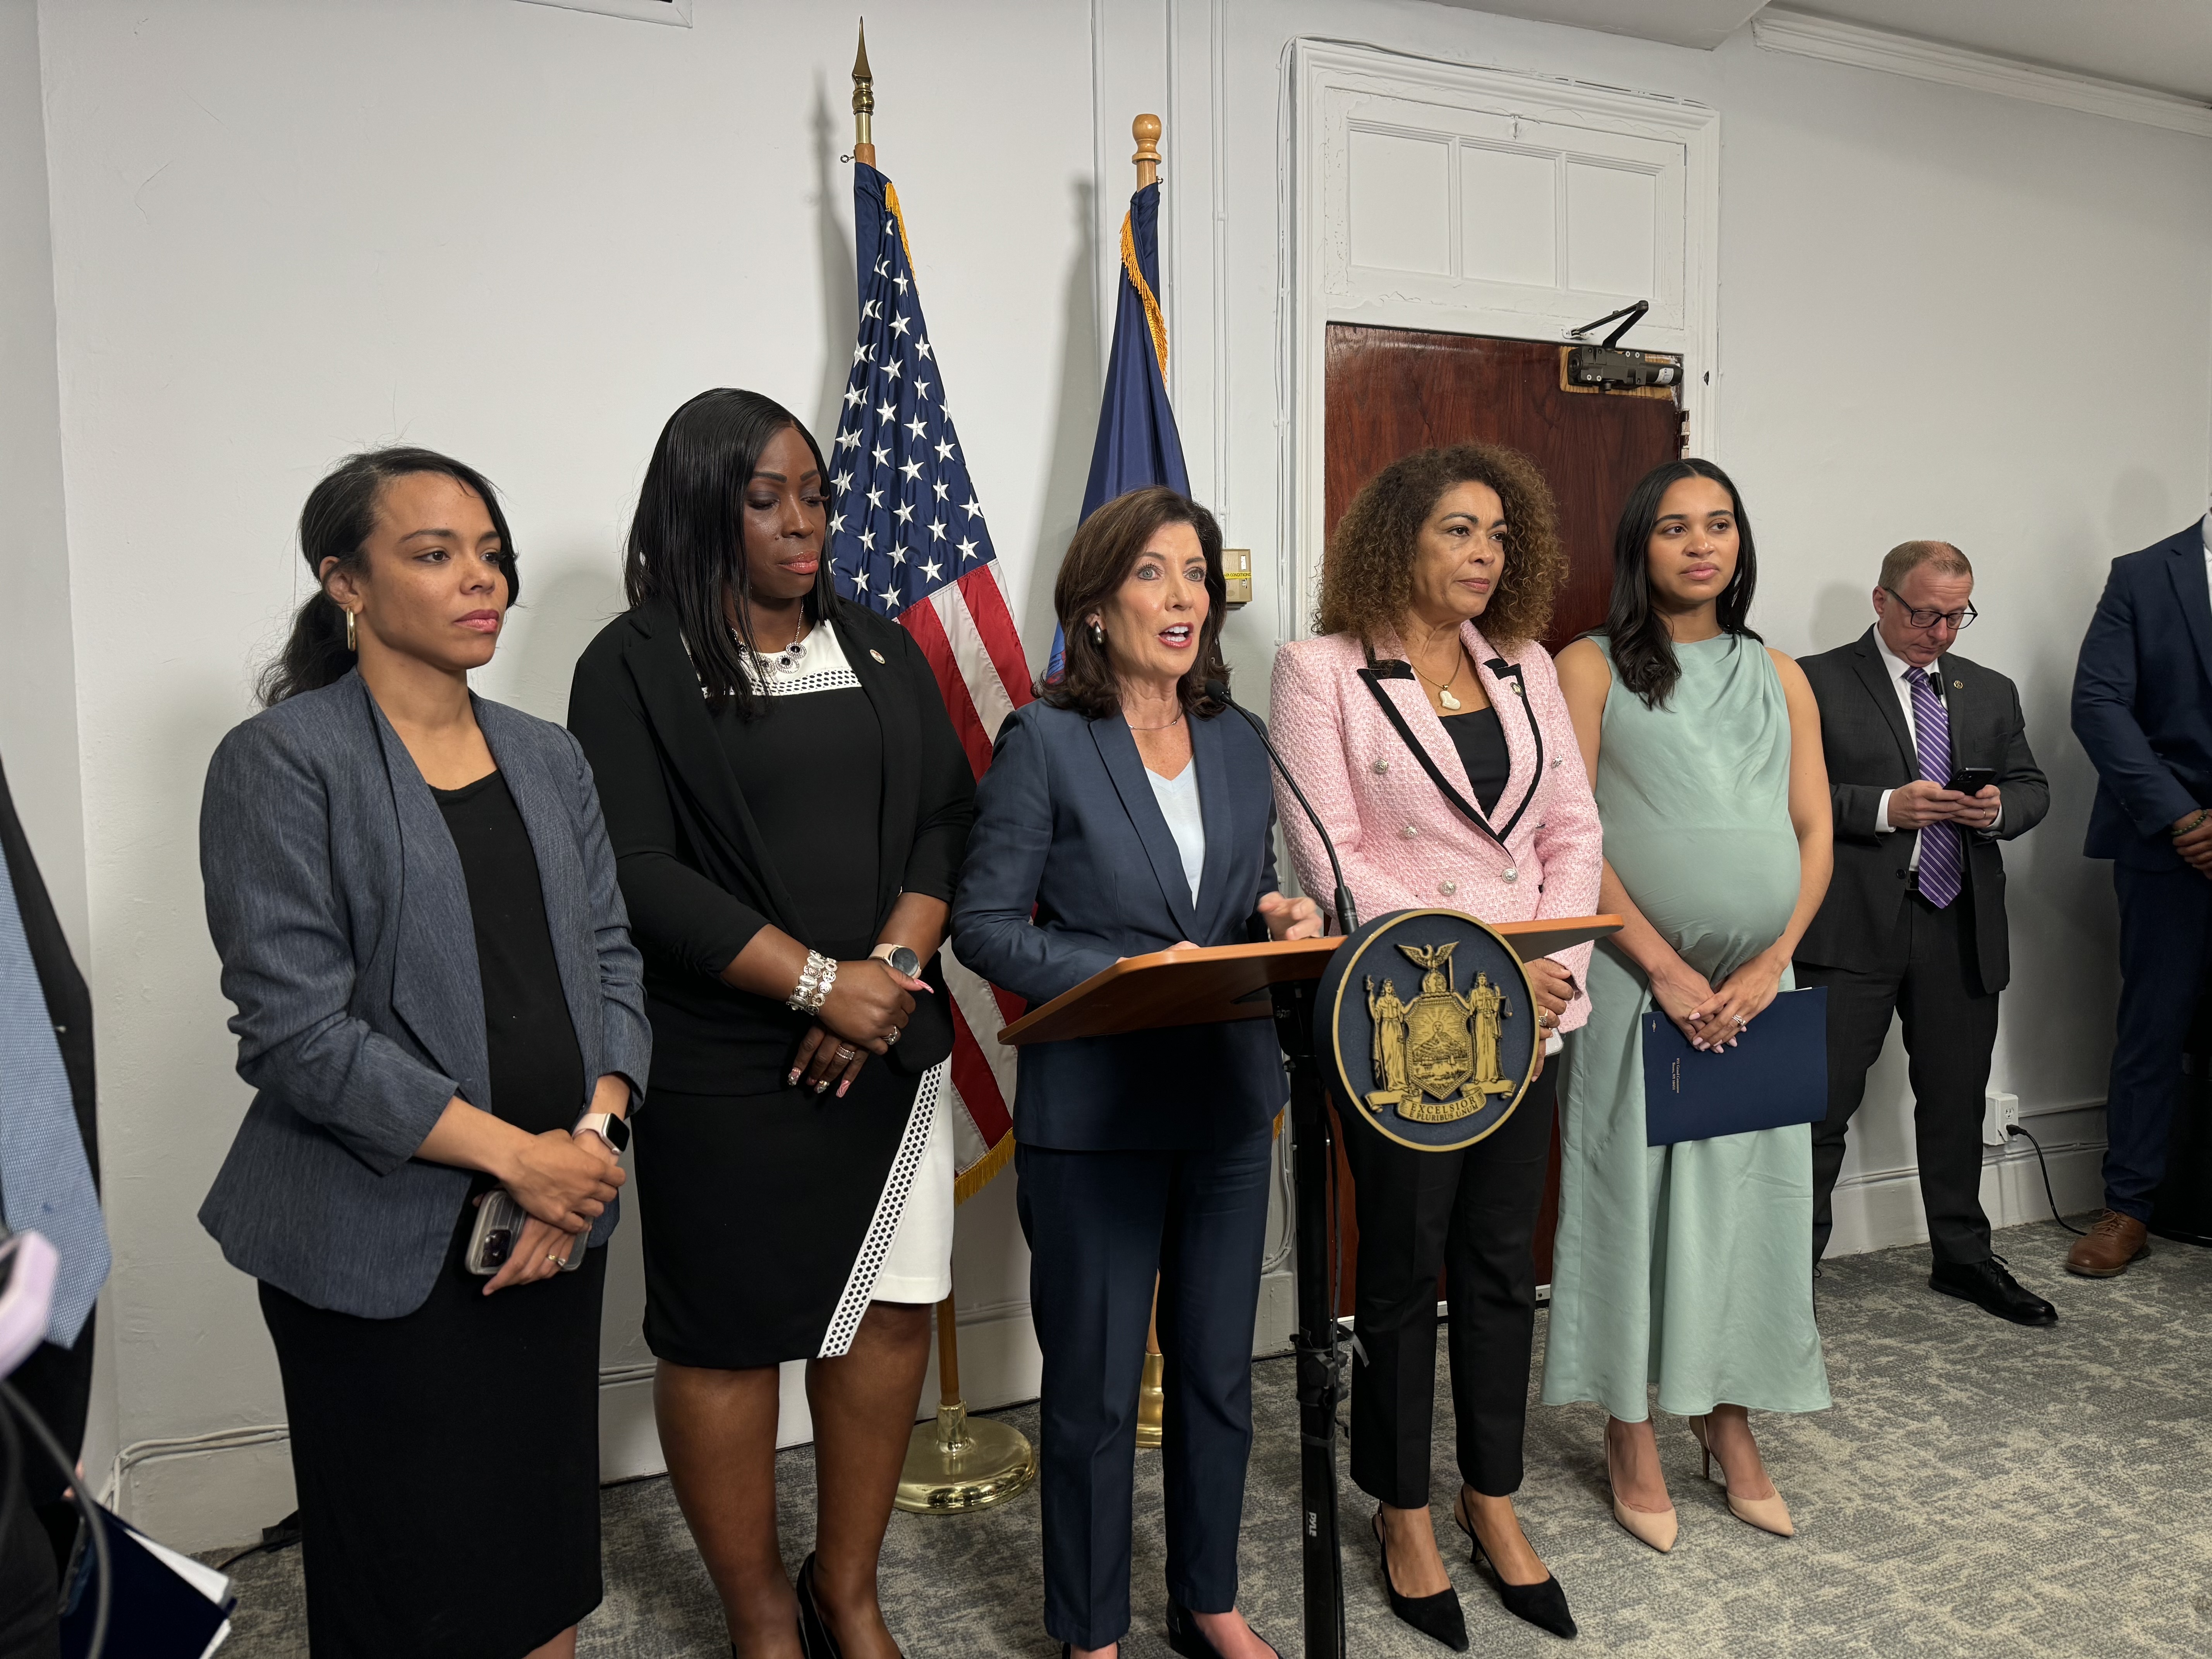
(1135, 272)
(978, 1175)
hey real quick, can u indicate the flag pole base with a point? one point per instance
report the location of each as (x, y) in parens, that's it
(1152, 1403)
(958, 1464)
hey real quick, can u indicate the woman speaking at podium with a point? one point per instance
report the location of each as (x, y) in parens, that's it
(1440, 579)
(1123, 815)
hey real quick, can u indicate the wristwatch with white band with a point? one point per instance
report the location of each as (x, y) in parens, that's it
(900, 958)
(614, 1130)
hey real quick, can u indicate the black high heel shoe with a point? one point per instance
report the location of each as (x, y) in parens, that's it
(1543, 1604)
(1436, 1616)
(813, 1629)
(1187, 1639)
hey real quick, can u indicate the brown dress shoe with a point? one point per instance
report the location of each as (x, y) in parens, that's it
(2105, 1250)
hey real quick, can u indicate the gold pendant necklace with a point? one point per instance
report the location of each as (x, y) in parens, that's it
(1444, 687)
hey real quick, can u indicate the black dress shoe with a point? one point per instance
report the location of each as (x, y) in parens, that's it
(1187, 1639)
(1543, 1604)
(1991, 1288)
(1436, 1616)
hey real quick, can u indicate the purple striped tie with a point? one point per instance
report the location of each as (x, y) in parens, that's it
(1942, 853)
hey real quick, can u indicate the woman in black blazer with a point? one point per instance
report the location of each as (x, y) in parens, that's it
(788, 805)
(1123, 815)
(413, 900)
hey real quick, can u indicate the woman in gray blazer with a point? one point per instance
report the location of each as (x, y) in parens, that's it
(415, 904)
(1123, 814)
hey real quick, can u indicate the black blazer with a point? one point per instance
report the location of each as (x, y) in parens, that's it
(55, 1380)
(1868, 745)
(698, 878)
(2142, 702)
(1071, 867)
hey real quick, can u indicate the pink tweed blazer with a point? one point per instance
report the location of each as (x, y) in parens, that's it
(1402, 844)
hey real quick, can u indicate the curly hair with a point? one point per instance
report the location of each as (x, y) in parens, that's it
(1367, 576)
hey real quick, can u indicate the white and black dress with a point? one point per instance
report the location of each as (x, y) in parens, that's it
(772, 1216)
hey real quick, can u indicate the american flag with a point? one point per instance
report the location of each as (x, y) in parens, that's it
(908, 536)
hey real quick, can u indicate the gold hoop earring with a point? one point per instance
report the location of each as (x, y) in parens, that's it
(353, 637)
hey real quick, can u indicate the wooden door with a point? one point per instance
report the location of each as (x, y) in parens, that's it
(1391, 391)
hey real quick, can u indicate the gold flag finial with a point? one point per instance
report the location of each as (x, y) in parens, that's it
(1146, 130)
(864, 102)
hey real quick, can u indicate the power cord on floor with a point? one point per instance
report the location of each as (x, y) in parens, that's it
(2015, 1129)
(283, 1534)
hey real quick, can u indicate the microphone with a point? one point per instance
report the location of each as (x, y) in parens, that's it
(1347, 914)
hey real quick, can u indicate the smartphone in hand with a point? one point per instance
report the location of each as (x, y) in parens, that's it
(1971, 780)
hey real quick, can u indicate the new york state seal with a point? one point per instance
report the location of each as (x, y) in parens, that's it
(1434, 1067)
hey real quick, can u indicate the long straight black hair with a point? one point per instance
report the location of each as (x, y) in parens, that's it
(336, 524)
(1643, 649)
(687, 543)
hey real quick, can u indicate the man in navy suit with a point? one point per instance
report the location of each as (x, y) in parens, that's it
(2142, 708)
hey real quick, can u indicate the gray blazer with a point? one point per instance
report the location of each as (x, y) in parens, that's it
(338, 905)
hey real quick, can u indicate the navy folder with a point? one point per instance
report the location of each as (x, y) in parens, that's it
(160, 1605)
(1776, 1074)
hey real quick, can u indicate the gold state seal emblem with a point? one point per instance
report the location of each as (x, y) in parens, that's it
(1436, 1058)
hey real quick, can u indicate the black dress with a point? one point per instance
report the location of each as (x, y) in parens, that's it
(447, 1461)
(766, 1209)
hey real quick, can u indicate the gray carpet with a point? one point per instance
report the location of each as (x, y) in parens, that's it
(1977, 1489)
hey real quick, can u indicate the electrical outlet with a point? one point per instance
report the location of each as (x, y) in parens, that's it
(2000, 1115)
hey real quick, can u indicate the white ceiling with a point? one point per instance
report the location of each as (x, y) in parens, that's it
(2163, 44)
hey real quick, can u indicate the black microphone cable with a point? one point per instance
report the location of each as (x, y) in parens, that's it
(95, 1526)
(1347, 914)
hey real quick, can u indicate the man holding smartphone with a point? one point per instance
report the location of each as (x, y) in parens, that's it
(1929, 769)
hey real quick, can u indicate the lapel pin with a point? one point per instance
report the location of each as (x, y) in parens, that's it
(877, 655)
(1956, 685)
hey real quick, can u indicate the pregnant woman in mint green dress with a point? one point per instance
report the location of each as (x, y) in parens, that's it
(1683, 1267)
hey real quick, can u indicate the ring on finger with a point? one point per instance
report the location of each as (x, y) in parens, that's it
(893, 1037)
(843, 1052)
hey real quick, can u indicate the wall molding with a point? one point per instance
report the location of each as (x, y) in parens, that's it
(1803, 35)
(1320, 79)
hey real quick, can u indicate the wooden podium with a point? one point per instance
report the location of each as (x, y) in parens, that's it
(1209, 986)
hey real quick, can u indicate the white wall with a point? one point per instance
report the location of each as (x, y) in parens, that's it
(526, 234)
(523, 236)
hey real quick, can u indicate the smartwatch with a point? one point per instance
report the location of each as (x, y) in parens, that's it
(900, 958)
(614, 1130)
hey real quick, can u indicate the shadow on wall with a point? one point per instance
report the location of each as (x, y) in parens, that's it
(565, 610)
(1840, 614)
(841, 300)
(1075, 429)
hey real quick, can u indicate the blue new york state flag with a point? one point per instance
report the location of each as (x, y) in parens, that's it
(1137, 443)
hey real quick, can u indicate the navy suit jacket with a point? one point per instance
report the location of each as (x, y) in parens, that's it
(2142, 702)
(1070, 867)
(338, 907)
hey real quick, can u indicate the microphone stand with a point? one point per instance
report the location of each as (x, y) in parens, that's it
(1321, 1382)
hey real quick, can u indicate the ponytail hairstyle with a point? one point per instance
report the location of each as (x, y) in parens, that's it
(687, 543)
(336, 524)
(1643, 649)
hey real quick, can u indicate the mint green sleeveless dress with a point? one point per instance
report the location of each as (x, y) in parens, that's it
(1687, 1266)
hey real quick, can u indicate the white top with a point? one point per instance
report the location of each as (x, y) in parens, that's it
(1898, 669)
(1178, 799)
(2205, 531)
(815, 662)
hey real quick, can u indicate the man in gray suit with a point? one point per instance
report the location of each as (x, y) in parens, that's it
(1914, 920)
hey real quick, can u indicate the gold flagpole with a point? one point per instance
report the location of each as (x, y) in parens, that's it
(1152, 1392)
(954, 1464)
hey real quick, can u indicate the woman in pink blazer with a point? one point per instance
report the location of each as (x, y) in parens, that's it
(1465, 794)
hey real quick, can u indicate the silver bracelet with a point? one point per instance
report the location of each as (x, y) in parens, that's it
(814, 982)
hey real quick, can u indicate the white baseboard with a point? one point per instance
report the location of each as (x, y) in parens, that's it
(1879, 1209)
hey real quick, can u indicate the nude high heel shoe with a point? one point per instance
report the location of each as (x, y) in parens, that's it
(1657, 1528)
(1767, 1514)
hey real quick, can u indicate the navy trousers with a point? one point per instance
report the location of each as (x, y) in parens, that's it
(1099, 1225)
(2166, 948)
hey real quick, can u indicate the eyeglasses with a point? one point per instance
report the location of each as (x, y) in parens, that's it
(1918, 618)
